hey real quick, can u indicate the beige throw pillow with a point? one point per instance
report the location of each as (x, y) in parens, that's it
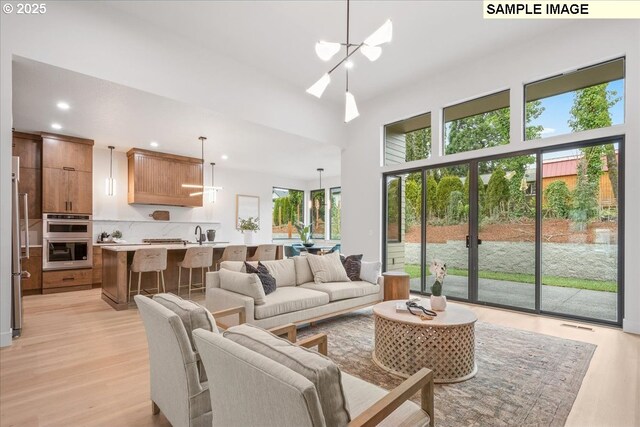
(327, 268)
(283, 270)
(242, 283)
(320, 370)
(303, 270)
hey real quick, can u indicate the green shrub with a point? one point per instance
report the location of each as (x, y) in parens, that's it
(557, 195)
(446, 185)
(413, 201)
(432, 199)
(455, 208)
(497, 191)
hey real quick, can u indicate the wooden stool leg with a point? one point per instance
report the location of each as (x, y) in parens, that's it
(129, 294)
(162, 277)
(190, 274)
(139, 280)
(158, 281)
(179, 277)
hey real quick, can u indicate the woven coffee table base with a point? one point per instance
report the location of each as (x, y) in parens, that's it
(403, 349)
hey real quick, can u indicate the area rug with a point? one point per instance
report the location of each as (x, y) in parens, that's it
(524, 378)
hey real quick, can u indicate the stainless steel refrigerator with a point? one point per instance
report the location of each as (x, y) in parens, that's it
(19, 249)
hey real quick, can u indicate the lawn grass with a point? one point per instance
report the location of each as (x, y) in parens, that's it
(563, 282)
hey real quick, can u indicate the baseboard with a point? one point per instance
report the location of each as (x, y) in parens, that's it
(631, 327)
(6, 338)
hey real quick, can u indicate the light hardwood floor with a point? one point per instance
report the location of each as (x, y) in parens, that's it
(80, 363)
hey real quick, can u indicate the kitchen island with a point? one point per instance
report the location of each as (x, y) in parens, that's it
(117, 258)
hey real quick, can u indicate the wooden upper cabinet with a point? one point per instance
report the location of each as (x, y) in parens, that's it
(67, 178)
(156, 178)
(29, 148)
(64, 152)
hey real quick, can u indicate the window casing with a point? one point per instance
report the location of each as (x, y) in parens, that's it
(480, 123)
(589, 98)
(408, 140)
(287, 211)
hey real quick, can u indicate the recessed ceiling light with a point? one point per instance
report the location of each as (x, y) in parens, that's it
(348, 64)
(224, 157)
(56, 126)
(63, 105)
(153, 144)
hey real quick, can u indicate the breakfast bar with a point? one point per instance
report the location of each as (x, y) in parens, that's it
(117, 258)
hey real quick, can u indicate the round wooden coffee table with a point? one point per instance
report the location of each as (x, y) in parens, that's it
(404, 343)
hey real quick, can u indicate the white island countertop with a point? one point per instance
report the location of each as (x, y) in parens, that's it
(169, 246)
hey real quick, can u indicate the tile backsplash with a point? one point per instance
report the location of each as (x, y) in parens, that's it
(135, 231)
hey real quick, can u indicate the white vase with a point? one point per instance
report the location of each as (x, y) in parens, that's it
(438, 303)
(248, 237)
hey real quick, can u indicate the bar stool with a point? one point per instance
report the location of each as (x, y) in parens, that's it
(233, 253)
(264, 253)
(200, 257)
(149, 260)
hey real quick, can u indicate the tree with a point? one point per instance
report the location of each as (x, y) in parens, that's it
(489, 130)
(590, 110)
(497, 190)
(557, 195)
(413, 202)
(446, 185)
(417, 144)
(432, 199)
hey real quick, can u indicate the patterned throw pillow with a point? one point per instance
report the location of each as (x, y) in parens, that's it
(352, 265)
(267, 280)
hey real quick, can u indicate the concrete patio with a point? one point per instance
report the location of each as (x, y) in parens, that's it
(580, 302)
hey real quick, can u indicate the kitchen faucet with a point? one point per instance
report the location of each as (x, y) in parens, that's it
(199, 239)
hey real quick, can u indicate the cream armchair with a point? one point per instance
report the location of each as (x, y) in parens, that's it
(176, 389)
(251, 389)
(179, 387)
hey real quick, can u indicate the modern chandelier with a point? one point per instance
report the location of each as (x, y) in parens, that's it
(370, 48)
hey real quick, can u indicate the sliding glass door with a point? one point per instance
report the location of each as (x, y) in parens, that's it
(506, 220)
(580, 234)
(540, 231)
(448, 227)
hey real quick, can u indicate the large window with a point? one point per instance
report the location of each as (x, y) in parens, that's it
(317, 201)
(477, 124)
(336, 207)
(287, 212)
(408, 140)
(590, 98)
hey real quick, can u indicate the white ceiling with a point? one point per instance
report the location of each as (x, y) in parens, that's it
(278, 37)
(275, 38)
(112, 114)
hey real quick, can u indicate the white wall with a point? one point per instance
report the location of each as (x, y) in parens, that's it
(220, 215)
(568, 48)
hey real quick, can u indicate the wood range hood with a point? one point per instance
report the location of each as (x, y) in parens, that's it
(156, 178)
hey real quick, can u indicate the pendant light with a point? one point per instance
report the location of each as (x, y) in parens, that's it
(110, 187)
(320, 170)
(202, 187)
(213, 190)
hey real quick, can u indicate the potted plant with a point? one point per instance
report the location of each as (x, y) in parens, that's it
(248, 227)
(304, 231)
(438, 301)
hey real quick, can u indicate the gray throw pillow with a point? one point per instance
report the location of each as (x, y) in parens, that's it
(351, 265)
(267, 280)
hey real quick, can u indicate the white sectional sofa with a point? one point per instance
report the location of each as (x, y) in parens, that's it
(297, 299)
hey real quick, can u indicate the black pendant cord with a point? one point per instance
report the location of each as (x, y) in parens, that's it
(111, 147)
